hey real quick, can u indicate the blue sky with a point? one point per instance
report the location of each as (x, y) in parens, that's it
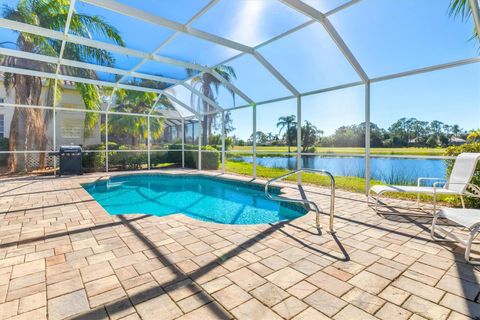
(386, 36)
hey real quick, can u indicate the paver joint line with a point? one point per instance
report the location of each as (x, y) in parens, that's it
(60, 248)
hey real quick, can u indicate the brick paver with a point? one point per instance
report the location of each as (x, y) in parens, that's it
(62, 256)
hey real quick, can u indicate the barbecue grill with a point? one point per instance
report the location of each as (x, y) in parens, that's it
(70, 160)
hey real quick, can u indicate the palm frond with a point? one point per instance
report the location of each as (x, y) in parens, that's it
(85, 25)
(460, 8)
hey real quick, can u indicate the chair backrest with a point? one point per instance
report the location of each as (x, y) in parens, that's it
(462, 172)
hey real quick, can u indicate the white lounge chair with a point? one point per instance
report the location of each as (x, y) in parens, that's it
(457, 185)
(468, 218)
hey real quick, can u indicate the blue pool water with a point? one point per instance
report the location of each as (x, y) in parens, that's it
(203, 198)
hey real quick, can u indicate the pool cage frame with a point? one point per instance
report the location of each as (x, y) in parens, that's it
(314, 15)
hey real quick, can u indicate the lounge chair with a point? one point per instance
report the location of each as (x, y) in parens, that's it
(468, 218)
(457, 185)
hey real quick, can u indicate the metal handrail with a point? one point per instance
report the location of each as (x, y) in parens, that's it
(305, 201)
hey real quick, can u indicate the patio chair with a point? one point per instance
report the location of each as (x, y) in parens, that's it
(468, 218)
(457, 184)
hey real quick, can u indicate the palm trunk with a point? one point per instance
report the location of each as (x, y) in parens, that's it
(205, 125)
(134, 142)
(288, 138)
(27, 92)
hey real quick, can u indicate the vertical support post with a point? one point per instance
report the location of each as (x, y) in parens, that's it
(299, 139)
(183, 143)
(367, 137)
(106, 128)
(223, 142)
(200, 133)
(148, 142)
(54, 120)
(254, 109)
(106, 141)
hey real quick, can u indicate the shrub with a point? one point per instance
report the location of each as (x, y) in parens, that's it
(120, 158)
(455, 151)
(210, 159)
(127, 160)
(158, 157)
(94, 161)
(3, 147)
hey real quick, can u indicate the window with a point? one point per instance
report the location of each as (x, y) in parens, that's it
(2, 125)
(71, 128)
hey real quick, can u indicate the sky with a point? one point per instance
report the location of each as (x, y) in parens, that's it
(386, 36)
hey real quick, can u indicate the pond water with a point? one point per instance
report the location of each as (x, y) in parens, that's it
(388, 170)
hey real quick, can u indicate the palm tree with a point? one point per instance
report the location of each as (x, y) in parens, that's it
(287, 122)
(462, 9)
(135, 128)
(209, 86)
(310, 135)
(29, 126)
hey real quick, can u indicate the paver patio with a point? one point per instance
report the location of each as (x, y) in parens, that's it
(62, 255)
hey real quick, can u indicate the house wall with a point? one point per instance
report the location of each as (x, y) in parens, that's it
(70, 128)
(69, 124)
(7, 112)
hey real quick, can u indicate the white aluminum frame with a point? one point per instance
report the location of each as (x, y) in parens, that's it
(315, 17)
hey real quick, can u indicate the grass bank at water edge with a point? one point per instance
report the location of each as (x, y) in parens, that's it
(354, 184)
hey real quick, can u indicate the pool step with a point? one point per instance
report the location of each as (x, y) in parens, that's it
(114, 184)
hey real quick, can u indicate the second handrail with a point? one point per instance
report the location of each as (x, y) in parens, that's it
(305, 201)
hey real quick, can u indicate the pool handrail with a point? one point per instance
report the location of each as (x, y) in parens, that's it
(305, 201)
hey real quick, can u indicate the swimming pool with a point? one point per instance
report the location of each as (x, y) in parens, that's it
(199, 197)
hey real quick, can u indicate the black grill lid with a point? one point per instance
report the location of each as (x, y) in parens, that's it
(70, 149)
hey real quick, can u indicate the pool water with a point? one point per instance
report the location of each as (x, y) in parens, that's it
(199, 197)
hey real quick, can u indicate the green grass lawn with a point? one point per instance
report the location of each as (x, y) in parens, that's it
(354, 184)
(374, 151)
(347, 183)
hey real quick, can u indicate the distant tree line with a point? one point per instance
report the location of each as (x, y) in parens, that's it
(405, 132)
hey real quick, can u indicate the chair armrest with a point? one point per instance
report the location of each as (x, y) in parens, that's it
(419, 180)
(440, 183)
(475, 192)
(474, 189)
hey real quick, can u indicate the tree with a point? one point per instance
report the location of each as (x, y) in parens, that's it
(462, 9)
(135, 128)
(29, 125)
(310, 136)
(401, 132)
(456, 130)
(349, 136)
(474, 136)
(287, 122)
(228, 123)
(261, 138)
(377, 135)
(209, 86)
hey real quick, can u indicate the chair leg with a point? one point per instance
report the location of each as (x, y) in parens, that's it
(432, 230)
(463, 201)
(443, 233)
(376, 203)
(468, 247)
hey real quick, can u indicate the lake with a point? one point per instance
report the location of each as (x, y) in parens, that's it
(388, 170)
